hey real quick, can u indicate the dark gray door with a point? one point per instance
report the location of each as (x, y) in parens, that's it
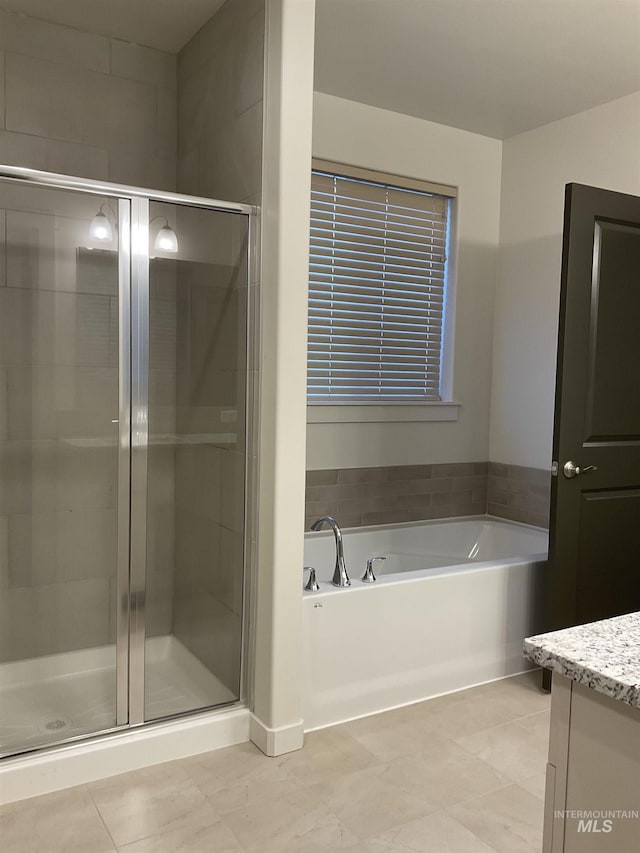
(594, 565)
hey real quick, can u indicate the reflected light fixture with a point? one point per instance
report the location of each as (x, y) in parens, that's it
(166, 239)
(100, 228)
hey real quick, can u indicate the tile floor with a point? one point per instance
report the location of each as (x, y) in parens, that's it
(459, 774)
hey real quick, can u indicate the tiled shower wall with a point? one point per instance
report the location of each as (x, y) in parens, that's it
(363, 496)
(161, 460)
(220, 114)
(58, 454)
(80, 104)
(209, 460)
(58, 451)
(220, 82)
(519, 493)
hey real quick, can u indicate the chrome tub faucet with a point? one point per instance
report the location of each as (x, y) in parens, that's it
(340, 576)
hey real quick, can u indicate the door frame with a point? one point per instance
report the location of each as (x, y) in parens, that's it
(139, 438)
(124, 462)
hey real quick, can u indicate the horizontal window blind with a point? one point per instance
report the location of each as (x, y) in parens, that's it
(376, 291)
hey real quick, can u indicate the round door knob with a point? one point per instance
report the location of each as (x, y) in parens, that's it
(571, 470)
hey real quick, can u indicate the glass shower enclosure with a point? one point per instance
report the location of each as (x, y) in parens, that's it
(123, 437)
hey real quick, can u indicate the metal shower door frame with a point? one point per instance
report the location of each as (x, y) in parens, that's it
(133, 414)
(139, 307)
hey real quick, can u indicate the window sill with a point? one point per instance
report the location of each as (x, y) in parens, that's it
(327, 413)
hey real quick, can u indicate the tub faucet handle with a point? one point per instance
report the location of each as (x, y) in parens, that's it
(368, 576)
(312, 584)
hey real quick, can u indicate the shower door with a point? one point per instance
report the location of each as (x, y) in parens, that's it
(195, 479)
(63, 467)
(122, 456)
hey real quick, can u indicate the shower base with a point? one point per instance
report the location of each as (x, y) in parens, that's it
(46, 700)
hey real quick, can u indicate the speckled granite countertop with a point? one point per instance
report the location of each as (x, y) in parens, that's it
(602, 655)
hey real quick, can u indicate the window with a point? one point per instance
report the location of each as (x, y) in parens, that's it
(377, 287)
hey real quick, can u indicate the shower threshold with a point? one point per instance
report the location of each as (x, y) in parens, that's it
(48, 699)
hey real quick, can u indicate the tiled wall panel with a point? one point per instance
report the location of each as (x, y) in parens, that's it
(519, 493)
(58, 467)
(220, 86)
(84, 105)
(210, 475)
(363, 496)
(80, 104)
(220, 83)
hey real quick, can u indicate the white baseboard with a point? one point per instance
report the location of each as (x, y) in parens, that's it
(90, 760)
(276, 741)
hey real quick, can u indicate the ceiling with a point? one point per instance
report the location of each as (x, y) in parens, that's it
(165, 24)
(494, 67)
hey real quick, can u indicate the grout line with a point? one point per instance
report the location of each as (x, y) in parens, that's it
(99, 813)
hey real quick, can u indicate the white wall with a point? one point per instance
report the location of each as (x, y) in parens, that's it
(600, 147)
(366, 136)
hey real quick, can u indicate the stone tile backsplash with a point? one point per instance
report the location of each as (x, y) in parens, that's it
(363, 496)
(519, 493)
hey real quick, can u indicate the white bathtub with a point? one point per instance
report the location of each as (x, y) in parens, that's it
(450, 608)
